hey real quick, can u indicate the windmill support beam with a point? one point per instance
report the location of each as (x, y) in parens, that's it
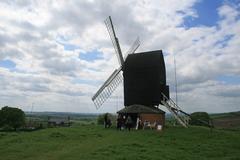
(176, 116)
(175, 109)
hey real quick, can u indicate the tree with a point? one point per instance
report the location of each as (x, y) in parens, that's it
(12, 117)
(100, 119)
(200, 119)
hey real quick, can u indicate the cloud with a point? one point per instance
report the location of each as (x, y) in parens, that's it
(52, 44)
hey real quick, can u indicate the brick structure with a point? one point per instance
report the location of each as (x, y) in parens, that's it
(153, 116)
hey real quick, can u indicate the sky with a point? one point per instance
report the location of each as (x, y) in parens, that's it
(55, 54)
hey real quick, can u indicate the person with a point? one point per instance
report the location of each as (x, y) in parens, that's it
(129, 122)
(105, 120)
(109, 123)
(138, 123)
(119, 125)
(123, 121)
(146, 124)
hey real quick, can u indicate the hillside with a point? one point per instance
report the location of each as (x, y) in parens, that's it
(229, 120)
(95, 142)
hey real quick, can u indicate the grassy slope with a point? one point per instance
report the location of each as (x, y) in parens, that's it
(94, 142)
(229, 120)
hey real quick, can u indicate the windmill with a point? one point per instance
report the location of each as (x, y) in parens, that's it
(144, 78)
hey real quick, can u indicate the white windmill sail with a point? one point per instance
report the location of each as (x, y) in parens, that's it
(115, 42)
(133, 48)
(107, 88)
(116, 77)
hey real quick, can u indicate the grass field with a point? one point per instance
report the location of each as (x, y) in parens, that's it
(84, 142)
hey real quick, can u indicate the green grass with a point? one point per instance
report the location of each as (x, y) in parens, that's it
(82, 142)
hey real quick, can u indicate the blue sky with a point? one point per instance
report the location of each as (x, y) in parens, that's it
(229, 79)
(207, 14)
(7, 64)
(223, 42)
(91, 56)
(87, 56)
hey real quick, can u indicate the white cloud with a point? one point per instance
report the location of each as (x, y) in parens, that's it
(33, 35)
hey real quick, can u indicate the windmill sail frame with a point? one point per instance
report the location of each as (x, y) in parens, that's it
(108, 87)
(114, 39)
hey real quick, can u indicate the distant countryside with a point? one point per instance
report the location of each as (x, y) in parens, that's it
(86, 138)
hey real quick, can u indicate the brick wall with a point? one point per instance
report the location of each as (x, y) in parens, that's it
(153, 117)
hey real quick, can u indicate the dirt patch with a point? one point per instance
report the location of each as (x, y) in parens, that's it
(227, 122)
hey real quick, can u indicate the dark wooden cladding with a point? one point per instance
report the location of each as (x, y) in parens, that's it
(144, 78)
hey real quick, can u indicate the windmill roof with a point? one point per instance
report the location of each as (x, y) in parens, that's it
(137, 108)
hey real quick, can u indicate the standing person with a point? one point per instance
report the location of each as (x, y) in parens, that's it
(105, 120)
(129, 122)
(137, 123)
(123, 122)
(109, 123)
(119, 122)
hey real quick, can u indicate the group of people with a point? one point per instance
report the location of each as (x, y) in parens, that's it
(122, 122)
(127, 122)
